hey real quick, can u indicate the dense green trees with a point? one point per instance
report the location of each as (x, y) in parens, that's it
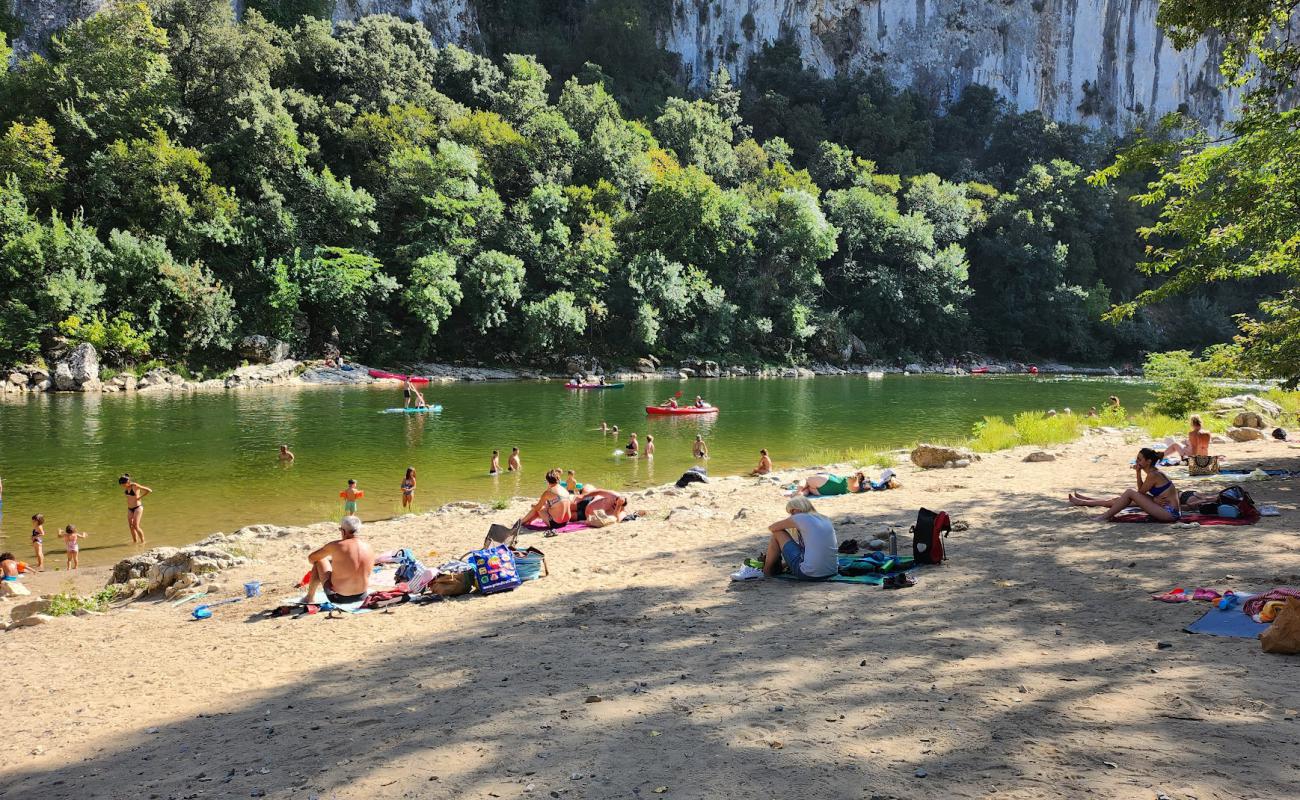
(171, 178)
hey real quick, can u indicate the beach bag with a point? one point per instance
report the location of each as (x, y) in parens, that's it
(1283, 636)
(530, 563)
(494, 569)
(1203, 465)
(502, 534)
(927, 536)
(1234, 497)
(452, 584)
(692, 475)
(387, 597)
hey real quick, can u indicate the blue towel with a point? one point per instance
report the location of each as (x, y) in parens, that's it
(1230, 622)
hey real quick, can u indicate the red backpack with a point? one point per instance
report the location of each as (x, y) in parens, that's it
(927, 536)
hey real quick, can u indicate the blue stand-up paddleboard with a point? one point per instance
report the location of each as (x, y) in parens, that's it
(413, 410)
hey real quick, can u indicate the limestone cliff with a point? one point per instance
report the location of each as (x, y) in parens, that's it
(1100, 62)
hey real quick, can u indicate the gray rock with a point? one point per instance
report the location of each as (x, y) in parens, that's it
(13, 589)
(1246, 402)
(63, 380)
(260, 349)
(42, 385)
(1251, 419)
(26, 610)
(644, 366)
(932, 456)
(1039, 456)
(1245, 434)
(18, 379)
(84, 363)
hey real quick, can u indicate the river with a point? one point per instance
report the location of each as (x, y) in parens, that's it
(211, 457)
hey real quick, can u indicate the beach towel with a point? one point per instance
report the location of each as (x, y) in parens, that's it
(1272, 473)
(868, 569)
(538, 525)
(1200, 519)
(1227, 622)
(1256, 602)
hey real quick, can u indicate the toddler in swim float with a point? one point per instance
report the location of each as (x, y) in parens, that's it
(350, 496)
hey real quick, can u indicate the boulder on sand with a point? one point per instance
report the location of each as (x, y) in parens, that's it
(164, 566)
(1040, 456)
(933, 456)
(1225, 406)
(1251, 419)
(1245, 434)
(13, 589)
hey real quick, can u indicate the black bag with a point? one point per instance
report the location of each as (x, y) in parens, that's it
(693, 475)
(1236, 497)
(927, 536)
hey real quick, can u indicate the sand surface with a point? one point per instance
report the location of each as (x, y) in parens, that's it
(1026, 667)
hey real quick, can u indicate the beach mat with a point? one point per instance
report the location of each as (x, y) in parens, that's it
(539, 526)
(1229, 622)
(1272, 473)
(868, 580)
(1203, 519)
(867, 565)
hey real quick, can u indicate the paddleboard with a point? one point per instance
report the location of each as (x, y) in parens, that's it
(413, 410)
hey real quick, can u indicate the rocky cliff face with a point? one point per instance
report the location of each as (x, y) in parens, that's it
(1103, 63)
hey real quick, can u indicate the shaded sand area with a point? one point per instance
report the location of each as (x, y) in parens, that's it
(1028, 666)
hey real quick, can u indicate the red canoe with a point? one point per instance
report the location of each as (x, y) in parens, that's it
(680, 410)
(980, 371)
(374, 373)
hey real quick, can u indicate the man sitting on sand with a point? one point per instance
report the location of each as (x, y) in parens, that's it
(342, 567)
(803, 544)
(764, 464)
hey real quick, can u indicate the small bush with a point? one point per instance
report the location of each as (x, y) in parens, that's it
(62, 605)
(1181, 383)
(1158, 426)
(1038, 429)
(992, 434)
(1290, 401)
(501, 503)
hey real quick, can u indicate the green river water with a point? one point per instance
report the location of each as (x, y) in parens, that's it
(211, 457)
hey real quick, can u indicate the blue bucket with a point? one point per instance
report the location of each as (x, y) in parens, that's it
(253, 589)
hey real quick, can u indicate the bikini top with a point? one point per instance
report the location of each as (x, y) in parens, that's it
(129, 493)
(1156, 491)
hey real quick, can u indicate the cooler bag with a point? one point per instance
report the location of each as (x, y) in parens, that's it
(494, 569)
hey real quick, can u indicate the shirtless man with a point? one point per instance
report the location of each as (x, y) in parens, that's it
(343, 566)
(610, 502)
(286, 455)
(512, 463)
(764, 464)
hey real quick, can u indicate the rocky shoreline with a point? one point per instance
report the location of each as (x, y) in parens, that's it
(270, 365)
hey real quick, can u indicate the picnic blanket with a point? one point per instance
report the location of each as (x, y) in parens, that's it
(1227, 622)
(1202, 519)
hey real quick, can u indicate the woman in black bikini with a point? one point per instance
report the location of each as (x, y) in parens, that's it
(554, 507)
(135, 494)
(1155, 493)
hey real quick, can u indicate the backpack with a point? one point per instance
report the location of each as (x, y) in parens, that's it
(693, 475)
(927, 536)
(494, 569)
(1236, 497)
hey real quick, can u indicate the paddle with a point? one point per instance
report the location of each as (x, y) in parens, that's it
(205, 611)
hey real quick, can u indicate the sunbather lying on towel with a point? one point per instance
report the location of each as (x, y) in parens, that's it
(343, 566)
(1155, 493)
(590, 500)
(824, 484)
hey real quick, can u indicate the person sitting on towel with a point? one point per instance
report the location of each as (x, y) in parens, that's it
(554, 507)
(342, 567)
(803, 544)
(1155, 494)
(1197, 444)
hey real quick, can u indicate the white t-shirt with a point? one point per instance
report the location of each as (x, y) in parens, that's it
(820, 549)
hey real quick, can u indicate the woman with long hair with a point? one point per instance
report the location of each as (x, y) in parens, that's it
(1155, 493)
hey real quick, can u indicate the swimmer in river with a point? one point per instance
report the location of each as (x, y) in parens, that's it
(286, 455)
(495, 467)
(513, 463)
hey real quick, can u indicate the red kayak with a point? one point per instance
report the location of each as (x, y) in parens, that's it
(374, 373)
(680, 410)
(980, 371)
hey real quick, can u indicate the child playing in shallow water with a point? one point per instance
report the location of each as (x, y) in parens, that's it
(495, 469)
(350, 496)
(70, 537)
(649, 446)
(38, 539)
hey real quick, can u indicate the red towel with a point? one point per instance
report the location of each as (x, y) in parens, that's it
(1204, 519)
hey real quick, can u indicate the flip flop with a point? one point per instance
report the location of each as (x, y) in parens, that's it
(1176, 595)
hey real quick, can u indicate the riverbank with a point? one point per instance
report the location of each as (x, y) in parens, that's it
(1033, 664)
(80, 371)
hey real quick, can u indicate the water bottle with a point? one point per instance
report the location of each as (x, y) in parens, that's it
(893, 543)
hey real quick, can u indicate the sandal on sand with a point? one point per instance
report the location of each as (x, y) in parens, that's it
(899, 580)
(1172, 596)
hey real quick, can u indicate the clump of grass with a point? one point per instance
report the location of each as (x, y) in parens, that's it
(66, 604)
(1158, 426)
(1290, 401)
(501, 504)
(992, 434)
(859, 456)
(1038, 429)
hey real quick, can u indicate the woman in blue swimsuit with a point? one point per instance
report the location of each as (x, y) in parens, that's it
(1155, 493)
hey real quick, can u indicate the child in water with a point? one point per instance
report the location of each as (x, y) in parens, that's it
(512, 463)
(408, 487)
(495, 468)
(571, 483)
(70, 537)
(350, 496)
(649, 446)
(38, 540)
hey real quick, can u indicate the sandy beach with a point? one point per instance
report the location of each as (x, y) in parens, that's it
(1028, 666)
